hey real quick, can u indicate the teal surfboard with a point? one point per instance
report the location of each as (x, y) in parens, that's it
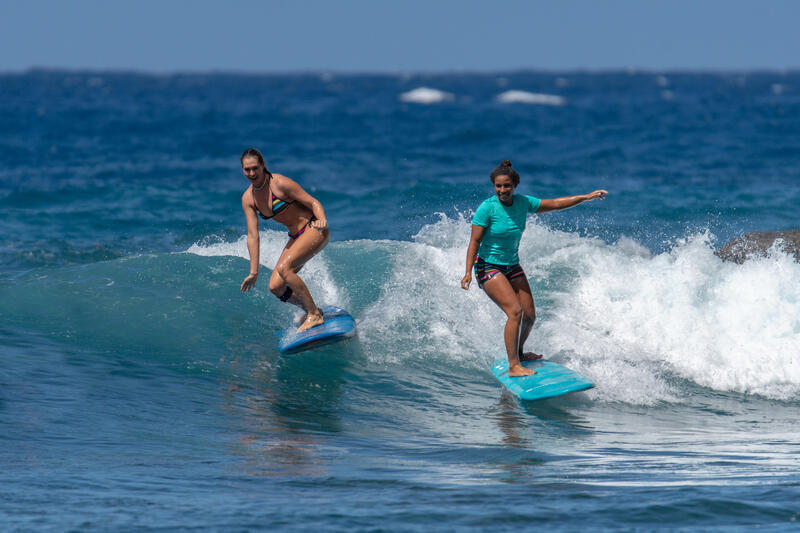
(338, 325)
(550, 379)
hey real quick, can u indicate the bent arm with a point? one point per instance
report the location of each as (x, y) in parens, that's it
(292, 191)
(472, 252)
(565, 202)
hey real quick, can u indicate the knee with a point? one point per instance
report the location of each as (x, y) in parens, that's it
(530, 317)
(515, 313)
(282, 269)
(277, 286)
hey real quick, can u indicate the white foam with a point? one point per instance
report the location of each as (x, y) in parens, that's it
(423, 306)
(631, 321)
(524, 97)
(720, 325)
(426, 95)
(315, 274)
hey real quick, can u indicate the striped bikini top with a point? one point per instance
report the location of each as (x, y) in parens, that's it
(278, 206)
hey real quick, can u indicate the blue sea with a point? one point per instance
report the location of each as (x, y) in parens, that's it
(140, 390)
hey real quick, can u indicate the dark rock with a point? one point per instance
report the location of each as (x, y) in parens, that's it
(756, 244)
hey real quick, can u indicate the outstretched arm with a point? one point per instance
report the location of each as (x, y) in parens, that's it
(472, 252)
(565, 202)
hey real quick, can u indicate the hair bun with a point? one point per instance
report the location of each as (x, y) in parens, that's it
(505, 163)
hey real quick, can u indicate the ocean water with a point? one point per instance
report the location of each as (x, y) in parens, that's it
(140, 390)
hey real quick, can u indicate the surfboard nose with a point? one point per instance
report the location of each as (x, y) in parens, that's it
(338, 325)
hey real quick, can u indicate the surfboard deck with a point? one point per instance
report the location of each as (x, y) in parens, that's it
(550, 379)
(338, 325)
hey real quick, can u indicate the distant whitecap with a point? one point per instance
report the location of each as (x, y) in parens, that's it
(662, 81)
(778, 88)
(426, 95)
(524, 97)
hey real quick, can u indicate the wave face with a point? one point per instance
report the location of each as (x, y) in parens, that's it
(138, 381)
(681, 314)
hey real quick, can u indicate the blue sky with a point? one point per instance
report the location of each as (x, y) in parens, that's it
(392, 36)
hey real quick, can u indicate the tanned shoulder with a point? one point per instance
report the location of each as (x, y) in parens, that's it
(282, 185)
(247, 199)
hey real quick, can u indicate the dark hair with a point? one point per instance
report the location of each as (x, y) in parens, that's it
(505, 169)
(252, 152)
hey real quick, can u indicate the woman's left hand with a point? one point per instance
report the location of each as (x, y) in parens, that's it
(597, 194)
(320, 223)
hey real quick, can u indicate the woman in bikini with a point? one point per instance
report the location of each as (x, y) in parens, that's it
(275, 196)
(493, 250)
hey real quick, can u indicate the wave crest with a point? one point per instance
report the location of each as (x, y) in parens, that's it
(426, 95)
(524, 97)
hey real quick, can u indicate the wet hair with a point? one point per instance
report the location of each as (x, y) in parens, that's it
(505, 169)
(252, 152)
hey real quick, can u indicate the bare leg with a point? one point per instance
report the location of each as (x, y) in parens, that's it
(293, 257)
(525, 297)
(502, 293)
(278, 287)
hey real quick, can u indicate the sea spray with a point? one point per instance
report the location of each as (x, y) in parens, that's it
(629, 319)
(719, 325)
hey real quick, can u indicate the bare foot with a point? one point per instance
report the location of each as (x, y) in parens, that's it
(300, 319)
(518, 370)
(530, 356)
(312, 319)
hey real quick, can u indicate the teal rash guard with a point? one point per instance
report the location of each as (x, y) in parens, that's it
(504, 226)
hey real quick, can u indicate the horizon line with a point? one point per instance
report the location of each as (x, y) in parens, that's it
(410, 72)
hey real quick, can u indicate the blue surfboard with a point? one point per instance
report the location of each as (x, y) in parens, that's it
(550, 379)
(338, 325)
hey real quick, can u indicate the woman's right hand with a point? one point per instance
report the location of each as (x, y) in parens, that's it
(319, 223)
(249, 282)
(466, 280)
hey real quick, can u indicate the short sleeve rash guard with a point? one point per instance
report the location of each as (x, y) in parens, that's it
(504, 226)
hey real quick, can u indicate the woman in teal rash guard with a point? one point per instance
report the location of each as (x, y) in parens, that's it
(493, 251)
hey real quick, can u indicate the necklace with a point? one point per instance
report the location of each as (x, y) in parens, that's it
(262, 185)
